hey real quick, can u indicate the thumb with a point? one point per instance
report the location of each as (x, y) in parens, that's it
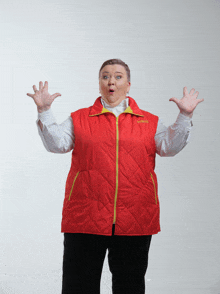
(55, 95)
(200, 100)
(174, 100)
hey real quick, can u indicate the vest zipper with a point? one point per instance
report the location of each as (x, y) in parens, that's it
(117, 143)
(116, 191)
(155, 191)
(73, 184)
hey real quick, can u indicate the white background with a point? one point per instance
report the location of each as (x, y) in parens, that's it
(168, 44)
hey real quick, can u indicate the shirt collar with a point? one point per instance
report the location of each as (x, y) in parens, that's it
(124, 103)
(132, 108)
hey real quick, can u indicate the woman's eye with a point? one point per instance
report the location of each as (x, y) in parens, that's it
(105, 77)
(118, 77)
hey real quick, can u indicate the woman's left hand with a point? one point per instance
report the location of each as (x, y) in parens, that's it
(188, 102)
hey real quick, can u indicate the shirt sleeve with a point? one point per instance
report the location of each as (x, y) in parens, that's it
(171, 140)
(57, 138)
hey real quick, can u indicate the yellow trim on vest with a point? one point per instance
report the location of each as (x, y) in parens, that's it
(127, 110)
(73, 184)
(103, 111)
(95, 114)
(142, 121)
(154, 188)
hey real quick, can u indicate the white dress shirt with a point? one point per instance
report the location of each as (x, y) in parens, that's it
(59, 138)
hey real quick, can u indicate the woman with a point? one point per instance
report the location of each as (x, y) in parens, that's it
(111, 199)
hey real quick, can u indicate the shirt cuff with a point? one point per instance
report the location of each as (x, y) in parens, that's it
(185, 120)
(46, 117)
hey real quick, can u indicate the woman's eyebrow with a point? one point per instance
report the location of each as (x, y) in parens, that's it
(115, 72)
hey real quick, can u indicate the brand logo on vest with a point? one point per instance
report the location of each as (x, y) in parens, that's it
(142, 121)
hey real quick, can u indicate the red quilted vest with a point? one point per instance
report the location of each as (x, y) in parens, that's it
(112, 178)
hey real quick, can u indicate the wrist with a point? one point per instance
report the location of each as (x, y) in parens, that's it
(187, 114)
(42, 109)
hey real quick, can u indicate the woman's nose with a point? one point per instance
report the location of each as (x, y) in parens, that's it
(111, 81)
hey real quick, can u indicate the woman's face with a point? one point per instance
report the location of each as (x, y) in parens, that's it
(113, 84)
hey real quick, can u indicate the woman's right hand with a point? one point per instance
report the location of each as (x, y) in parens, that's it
(42, 98)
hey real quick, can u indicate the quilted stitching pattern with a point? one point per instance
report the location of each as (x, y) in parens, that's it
(92, 204)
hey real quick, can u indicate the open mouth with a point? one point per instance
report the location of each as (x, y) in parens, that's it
(111, 91)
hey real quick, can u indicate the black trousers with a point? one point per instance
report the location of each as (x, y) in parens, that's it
(84, 256)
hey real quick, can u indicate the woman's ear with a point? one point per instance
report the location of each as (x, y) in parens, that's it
(129, 86)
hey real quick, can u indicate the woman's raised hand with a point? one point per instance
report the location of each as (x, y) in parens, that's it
(188, 102)
(42, 98)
